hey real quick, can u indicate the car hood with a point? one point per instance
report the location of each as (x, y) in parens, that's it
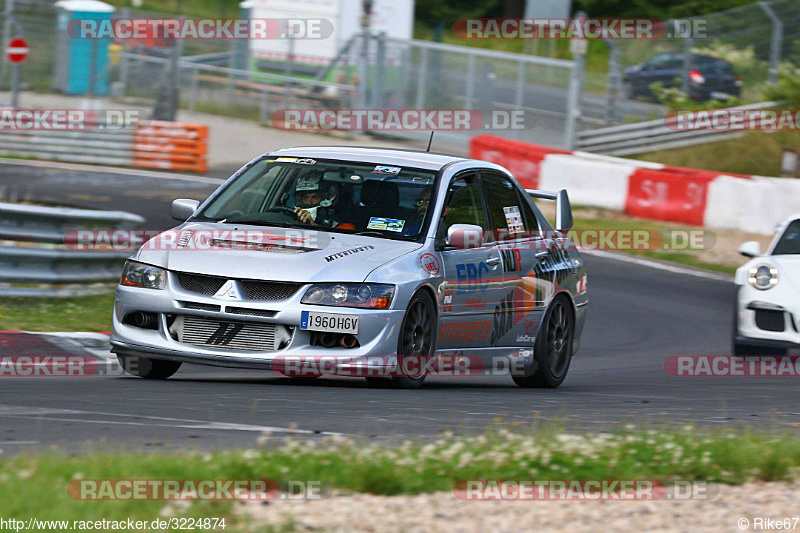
(267, 253)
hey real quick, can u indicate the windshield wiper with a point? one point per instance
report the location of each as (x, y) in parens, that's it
(369, 233)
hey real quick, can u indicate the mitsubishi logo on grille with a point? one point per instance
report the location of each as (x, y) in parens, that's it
(227, 291)
(225, 334)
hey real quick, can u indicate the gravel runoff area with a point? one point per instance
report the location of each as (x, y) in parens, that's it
(444, 512)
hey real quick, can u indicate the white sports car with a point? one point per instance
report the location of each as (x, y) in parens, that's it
(767, 317)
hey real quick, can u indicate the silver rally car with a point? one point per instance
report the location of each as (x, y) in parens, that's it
(385, 264)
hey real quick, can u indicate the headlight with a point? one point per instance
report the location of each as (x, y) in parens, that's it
(763, 277)
(370, 295)
(145, 276)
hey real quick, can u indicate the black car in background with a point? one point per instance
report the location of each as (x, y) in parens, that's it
(709, 77)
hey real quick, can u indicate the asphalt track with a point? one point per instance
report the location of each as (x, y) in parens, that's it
(638, 316)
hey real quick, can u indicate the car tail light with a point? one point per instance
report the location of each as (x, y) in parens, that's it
(696, 77)
(738, 81)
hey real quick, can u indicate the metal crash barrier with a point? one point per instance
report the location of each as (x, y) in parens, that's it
(34, 257)
(147, 144)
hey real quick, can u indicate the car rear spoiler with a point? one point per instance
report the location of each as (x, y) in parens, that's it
(563, 208)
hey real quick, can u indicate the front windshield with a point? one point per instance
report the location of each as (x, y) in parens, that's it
(384, 200)
(790, 240)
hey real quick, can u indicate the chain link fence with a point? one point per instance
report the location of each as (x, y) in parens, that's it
(372, 72)
(35, 21)
(220, 76)
(754, 40)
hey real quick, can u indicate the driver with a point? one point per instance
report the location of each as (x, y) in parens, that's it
(313, 207)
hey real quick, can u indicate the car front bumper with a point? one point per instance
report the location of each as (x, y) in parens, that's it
(378, 331)
(767, 318)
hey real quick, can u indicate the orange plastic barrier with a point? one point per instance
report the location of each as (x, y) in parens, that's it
(171, 146)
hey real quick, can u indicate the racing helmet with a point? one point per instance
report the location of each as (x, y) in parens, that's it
(313, 182)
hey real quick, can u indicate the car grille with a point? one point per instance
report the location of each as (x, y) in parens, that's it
(253, 290)
(220, 334)
(250, 312)
(770, 320)
(200, 306)
(269, 290)
(200, 284)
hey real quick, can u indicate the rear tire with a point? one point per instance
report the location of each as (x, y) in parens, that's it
(144, 367)
(417, 342)
(553, 349)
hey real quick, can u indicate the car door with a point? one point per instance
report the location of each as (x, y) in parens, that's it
(470, 289)
(525, 287)
(658, 70)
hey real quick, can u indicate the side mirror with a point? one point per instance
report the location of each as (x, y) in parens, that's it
(750, 249)
(464, 236)
(183, 208)
(563, 212)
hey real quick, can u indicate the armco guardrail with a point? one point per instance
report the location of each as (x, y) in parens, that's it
(640, 137)
(152, 144)
(22, 227)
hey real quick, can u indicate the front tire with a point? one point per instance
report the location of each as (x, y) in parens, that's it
(144, 367)
(743, 350)
(553, 349)
(417, 342)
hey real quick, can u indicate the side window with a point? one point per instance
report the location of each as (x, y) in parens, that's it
(658, 62)
(790, 240)
(505, 212)
(674, 62)
(463, 205)
(531, 222)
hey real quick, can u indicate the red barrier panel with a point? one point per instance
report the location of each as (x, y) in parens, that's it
(669, 194)
(521, 158)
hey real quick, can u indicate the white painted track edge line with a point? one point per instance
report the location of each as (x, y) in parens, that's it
(658, 265)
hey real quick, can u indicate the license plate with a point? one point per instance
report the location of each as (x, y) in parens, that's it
(716, 95)
(329, 322)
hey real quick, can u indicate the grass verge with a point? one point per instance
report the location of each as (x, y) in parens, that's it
(83, 313)
(756, 153)
(689, 257)
(36, 485)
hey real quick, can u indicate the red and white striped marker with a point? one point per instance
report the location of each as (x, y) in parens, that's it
(17, 50)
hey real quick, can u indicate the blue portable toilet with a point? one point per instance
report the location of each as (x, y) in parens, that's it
(80, 66)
